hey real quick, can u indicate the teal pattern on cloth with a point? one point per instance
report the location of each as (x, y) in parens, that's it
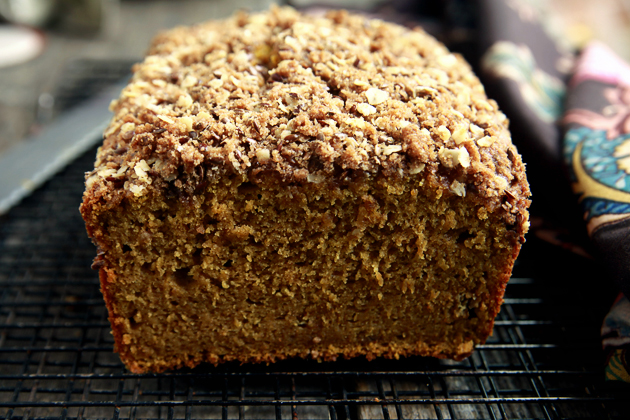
(543, 93)
(600, 158)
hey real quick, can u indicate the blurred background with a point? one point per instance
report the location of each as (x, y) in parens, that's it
(54, 54)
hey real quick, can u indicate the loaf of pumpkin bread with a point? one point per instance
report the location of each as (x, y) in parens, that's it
(276, 185)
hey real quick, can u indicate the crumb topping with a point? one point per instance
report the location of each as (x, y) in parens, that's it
(311, 99)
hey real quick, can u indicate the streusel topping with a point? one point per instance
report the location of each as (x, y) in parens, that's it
(310, 99)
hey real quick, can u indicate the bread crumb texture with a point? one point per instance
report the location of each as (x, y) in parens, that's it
(276, 185)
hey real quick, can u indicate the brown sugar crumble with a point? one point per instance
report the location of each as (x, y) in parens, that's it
(276, 185)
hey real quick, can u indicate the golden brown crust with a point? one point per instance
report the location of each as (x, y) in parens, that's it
(372, 141)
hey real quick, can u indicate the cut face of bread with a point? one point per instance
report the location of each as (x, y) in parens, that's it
(277, 186)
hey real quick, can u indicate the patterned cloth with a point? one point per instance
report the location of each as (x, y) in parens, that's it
(524, 67)
(597, 152)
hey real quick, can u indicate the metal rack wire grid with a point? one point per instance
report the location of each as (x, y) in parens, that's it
(57, 362)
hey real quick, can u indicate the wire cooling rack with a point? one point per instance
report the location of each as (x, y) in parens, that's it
(543, 361)
(56, 361)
